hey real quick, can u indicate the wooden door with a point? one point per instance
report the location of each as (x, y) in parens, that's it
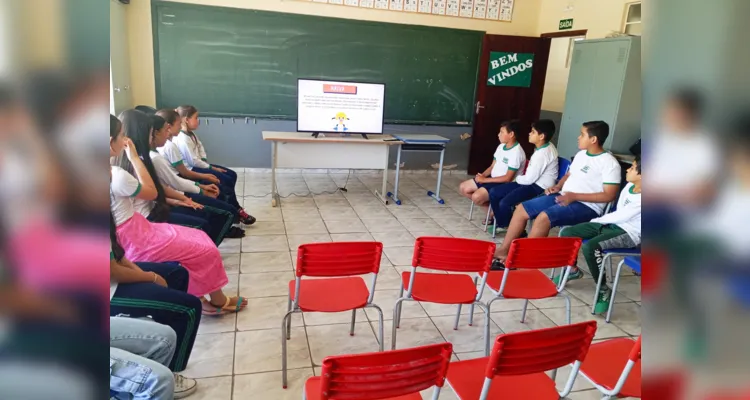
(496, 104)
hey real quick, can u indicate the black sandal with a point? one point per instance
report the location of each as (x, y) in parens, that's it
(235, 233)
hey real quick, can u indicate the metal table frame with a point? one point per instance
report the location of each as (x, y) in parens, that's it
(415, 144)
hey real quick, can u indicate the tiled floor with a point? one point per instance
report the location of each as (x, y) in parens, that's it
(239, 356)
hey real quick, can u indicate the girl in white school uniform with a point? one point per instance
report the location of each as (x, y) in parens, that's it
(196, 159)
(162, 242)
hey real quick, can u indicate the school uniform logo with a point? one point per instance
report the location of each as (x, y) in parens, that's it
(585, 169)
(627, 201)
(505, 160)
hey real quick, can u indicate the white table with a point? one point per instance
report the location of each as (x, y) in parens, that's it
(420, 143)
(301, 150)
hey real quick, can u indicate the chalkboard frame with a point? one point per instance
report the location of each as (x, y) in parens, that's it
(155, 4)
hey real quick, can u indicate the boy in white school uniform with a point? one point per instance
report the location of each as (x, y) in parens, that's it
(509, 160)
(620, 229)
(540, 174)
(592, 181)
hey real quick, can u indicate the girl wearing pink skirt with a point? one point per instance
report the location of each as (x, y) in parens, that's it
(162, 242)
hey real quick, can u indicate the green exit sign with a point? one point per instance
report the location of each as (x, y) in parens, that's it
(566, 24)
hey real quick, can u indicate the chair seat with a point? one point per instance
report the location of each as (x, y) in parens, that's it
(604, 364)
(633, 263)
(331, 295)
(441, 288)
(523, 284)
(312, 391)
(467, 377)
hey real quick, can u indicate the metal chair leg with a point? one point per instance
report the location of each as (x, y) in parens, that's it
(354, 320)
(381, 336)
(396, 314)
(523, 313)
(471, 210)
(567, 307)
(471, 307)
(284, 335)
(458, 318)
(614, 290)
(289, 322)
(487, 218)
(486, 327)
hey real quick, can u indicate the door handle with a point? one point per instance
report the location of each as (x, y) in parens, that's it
(478, 107)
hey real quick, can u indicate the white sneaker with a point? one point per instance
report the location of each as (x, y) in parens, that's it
(184, 387)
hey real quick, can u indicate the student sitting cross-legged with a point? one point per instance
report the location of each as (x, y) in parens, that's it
(620, 229)
(508, 161)
(540, 175)
(580, 196)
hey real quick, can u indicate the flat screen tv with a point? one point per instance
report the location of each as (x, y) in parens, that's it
(340, 107)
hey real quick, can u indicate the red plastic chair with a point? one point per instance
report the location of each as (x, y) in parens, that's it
(338, 261)
(446, 254)
(614, 367)
(390, 375)
(527, 257)
(516, 368)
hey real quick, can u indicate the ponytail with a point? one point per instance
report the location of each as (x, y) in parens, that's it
(185, 112)
(139, 128)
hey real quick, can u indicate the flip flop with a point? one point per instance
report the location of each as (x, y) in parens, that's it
(225, 309)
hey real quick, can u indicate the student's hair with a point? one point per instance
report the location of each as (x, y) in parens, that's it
(511, 126)
(158, 122)
(690, 100)
(545, 127)
(169, 115)
(185, 112)
(114, 126)
(148, 110)
(638, 164)
(139, 128)
(598, 129)
(117, 250)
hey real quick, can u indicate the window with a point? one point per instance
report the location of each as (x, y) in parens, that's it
(632, 24)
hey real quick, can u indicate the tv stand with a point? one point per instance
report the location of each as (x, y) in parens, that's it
(315, 135)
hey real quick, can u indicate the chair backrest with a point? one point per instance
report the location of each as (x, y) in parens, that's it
(453, 254)
(387, 374)
(563, 164)
(538, 253)
(540, 350)
(339, 258)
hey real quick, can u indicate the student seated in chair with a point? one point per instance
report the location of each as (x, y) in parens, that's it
(620, 229)
(540, 174)
(509, 160)
(580, 196)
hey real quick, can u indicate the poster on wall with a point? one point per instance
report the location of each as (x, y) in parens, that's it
(480, 9)
(425, 6)
(498, 10)
(397, 5)
(510, 69)
(411, 5)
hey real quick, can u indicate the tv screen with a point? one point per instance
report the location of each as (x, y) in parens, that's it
(339, 107)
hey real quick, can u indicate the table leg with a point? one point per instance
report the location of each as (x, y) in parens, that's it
(274, 191)
(440, 177)
(383, 197)
(398, 172)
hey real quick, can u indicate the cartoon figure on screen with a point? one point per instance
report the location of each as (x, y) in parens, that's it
(340, 118)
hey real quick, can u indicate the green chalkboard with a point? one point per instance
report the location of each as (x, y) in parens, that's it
(245, 63)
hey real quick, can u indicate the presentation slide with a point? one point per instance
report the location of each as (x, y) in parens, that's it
(342, 107)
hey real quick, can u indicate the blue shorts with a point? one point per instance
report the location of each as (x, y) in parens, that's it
(487, 186)
(572, 214)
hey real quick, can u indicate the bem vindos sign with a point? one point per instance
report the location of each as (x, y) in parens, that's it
(510, 69)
